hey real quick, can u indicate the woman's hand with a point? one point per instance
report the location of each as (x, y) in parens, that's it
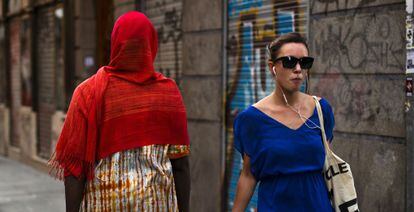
(245, 187)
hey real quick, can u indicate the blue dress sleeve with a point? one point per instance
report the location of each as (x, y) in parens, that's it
(243, 131)
(329, 120)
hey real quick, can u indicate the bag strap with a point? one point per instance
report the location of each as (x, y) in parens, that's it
(322, 127)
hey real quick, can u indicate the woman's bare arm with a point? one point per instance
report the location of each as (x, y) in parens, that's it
(245, 187)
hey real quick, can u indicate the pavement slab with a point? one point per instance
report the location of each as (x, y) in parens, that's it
(25, 189)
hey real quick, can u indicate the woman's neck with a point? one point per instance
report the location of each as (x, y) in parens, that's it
(281, 96)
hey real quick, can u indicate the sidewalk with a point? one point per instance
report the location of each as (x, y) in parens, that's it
(24, 189)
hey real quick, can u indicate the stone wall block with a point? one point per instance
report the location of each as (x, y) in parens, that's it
(4, 129)
(202, 15)
(371, 104)
(206, 58)
(57, 124)
(323, 6)
(363, 42)
(379, 169)
(205, 166)
(28, 135)
(202, 98)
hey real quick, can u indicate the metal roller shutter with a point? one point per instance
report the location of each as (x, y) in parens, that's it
(45, 67)
(166, 17)
(251, 26)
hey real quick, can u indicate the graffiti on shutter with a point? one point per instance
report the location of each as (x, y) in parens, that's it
(166, 16)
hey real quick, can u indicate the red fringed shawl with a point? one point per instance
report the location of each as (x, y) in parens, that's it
(124, 105)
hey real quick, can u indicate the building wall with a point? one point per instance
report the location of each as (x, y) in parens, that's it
(202, 89)
(409, 105)
(105, 21)
(3, 75)
(4, 129)
(14, 65)
(4, 112)
(360, 70)
(32, 46)
(46, 79)
(27, 117)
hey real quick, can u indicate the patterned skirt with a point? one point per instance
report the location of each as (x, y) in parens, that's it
(134, 180)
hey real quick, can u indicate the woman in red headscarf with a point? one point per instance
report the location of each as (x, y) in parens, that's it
(124, 144)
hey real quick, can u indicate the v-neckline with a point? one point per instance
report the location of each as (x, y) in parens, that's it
(280, 123)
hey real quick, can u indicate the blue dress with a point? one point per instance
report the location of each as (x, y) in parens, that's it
(288, 163)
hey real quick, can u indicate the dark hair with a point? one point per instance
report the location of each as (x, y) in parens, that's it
(274, 47)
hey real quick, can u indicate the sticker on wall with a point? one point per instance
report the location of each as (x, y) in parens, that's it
(410, 62)
(88, 61)
(409, 35)
(407, 106)
(409, 86)
(409, 8)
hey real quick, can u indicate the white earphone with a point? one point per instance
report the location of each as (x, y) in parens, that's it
(274, 70)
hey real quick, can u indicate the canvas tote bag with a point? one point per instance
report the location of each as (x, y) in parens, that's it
(338, 175)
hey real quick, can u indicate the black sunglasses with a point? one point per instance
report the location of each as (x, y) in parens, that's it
(290, 62)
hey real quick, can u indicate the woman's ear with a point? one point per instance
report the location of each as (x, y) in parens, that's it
(272, 68)
(274, 71)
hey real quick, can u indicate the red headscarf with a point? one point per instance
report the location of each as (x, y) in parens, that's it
(124, 105)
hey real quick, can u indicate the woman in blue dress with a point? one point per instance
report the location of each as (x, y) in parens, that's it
(280, 140)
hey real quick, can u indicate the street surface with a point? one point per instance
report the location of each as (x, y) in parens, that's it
(24, 189)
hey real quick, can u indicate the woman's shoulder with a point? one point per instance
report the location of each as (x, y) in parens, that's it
(247, 114)
(251, 117)
(85, 87)
(324, 103)
(82, 95)
(326, 106)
